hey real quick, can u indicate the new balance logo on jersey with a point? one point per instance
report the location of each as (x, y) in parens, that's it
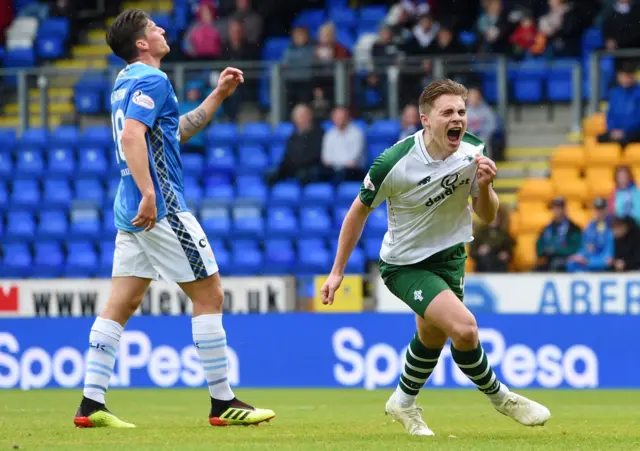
(424, 181)
(449, 184)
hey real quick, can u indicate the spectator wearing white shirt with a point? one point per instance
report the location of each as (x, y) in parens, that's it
(343, 148)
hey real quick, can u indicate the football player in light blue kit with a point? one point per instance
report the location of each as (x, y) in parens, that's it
(156, 233)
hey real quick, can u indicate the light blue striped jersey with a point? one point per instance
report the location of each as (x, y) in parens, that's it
(144, 93)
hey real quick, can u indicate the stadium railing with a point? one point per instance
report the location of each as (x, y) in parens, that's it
(503, 82)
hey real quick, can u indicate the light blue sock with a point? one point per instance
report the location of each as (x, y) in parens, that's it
(210, 341)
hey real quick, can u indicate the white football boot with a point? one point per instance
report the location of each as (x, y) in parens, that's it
(408, 417)
(523, 410)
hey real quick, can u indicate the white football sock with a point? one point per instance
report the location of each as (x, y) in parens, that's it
(211, 343)
(402, 399)
(103, 346)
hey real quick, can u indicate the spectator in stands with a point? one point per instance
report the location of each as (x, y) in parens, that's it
(561, 29)
(405, 13)
(298, 73)
(251, 21)
(6, 6)
(625, 199)
(446, 42)
(385, 50)
(237, 47)
(560, 239)
(626, 245)
(343, 147)
(326, 52)
(203, 38)
(623, 113)
(424, 35)
(410, 121)
(523, 39)
(620, 27)
(596, 253)
(494, 27)
(482, 121)
(194, 98)
(492, 247)
(303, 155)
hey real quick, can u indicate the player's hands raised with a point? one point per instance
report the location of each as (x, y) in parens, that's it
(229, 80)
(147, 213)
(329, 288)
(486, 170)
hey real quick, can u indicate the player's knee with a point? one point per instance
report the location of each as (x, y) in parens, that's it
(465, 334)
(213, 299)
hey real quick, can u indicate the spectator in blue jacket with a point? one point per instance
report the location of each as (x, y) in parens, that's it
(596, 253)
(623, 115)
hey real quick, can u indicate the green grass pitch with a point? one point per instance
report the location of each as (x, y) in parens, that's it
(320, 420)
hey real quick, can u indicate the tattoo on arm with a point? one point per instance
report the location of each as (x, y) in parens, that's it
(193, 121)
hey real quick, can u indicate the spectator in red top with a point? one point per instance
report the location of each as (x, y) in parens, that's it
(6, 17)
(326, 51)
(524, 37)
(203, 38)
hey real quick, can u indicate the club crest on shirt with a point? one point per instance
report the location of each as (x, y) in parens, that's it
(143, 100)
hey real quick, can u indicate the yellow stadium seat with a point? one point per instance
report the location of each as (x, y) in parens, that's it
(469, 265)
(573, 204)
(598, 174)
(568, 155)
(536, 189)
(631, 155)
(636, 173)
(605, 154)
(590, 141)
(580, 216)
(524, 253)
(594, 125)
(565, 173)
(514, 223)
(600, 188)
(571, 189)
(533, 221)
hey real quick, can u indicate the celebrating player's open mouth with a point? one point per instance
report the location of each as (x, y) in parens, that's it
(454, 135)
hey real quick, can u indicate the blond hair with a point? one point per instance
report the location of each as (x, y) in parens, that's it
(438, 88)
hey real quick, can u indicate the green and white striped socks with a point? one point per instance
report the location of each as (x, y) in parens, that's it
(419, 364)
(475, 365)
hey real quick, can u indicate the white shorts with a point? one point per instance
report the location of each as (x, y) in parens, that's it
(176, 249)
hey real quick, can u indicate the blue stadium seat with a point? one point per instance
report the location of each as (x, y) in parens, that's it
(285, 194)
(253, 133)
(54, 27)
(6, 166)
(377, 223)
(48, 260)
(384, 131)
(280, 256)
(343, 17)
(25, 194)
(112, 189)
(283, 131)
(281, 222)
(85, 223)
(97, 136)
(346, 38)
(467, 38)
(372, 248)
(276, 154)
(106, 249)
(222, 135)
(115, 61)
(252, 160)
(193, 164)
(4, 197)
(218, 179)
(347, 192)
(372, 16)
(82, 259)
(61, 163)
(219, 194)
(92, 162)
(339, 214)
(20, 57)
(34, 138)
(56, 193)
(89, 92)
(2, 55)
(109, 229)
(251, 190)
(193, 193)
(313, 259)
(221, 160)
(528, 78)
(215, 221)
(315, 221)
(53, 224)
(357, 261)
(592, 40)
(318, 194)
(88, 191)
(21, 226)
(64, 136)
(274, 48)
(247, 222)
(17, 261)
(246, 257)
(8, 139)
(559, 84)
(311, 19)
(29, 163)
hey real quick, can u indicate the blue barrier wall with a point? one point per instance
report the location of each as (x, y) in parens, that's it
(332, 350)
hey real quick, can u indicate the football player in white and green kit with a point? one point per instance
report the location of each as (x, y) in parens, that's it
(427, 180)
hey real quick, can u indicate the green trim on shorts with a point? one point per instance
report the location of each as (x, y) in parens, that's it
(418, 284)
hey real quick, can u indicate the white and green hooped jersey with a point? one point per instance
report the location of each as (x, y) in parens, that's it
(427, 200)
